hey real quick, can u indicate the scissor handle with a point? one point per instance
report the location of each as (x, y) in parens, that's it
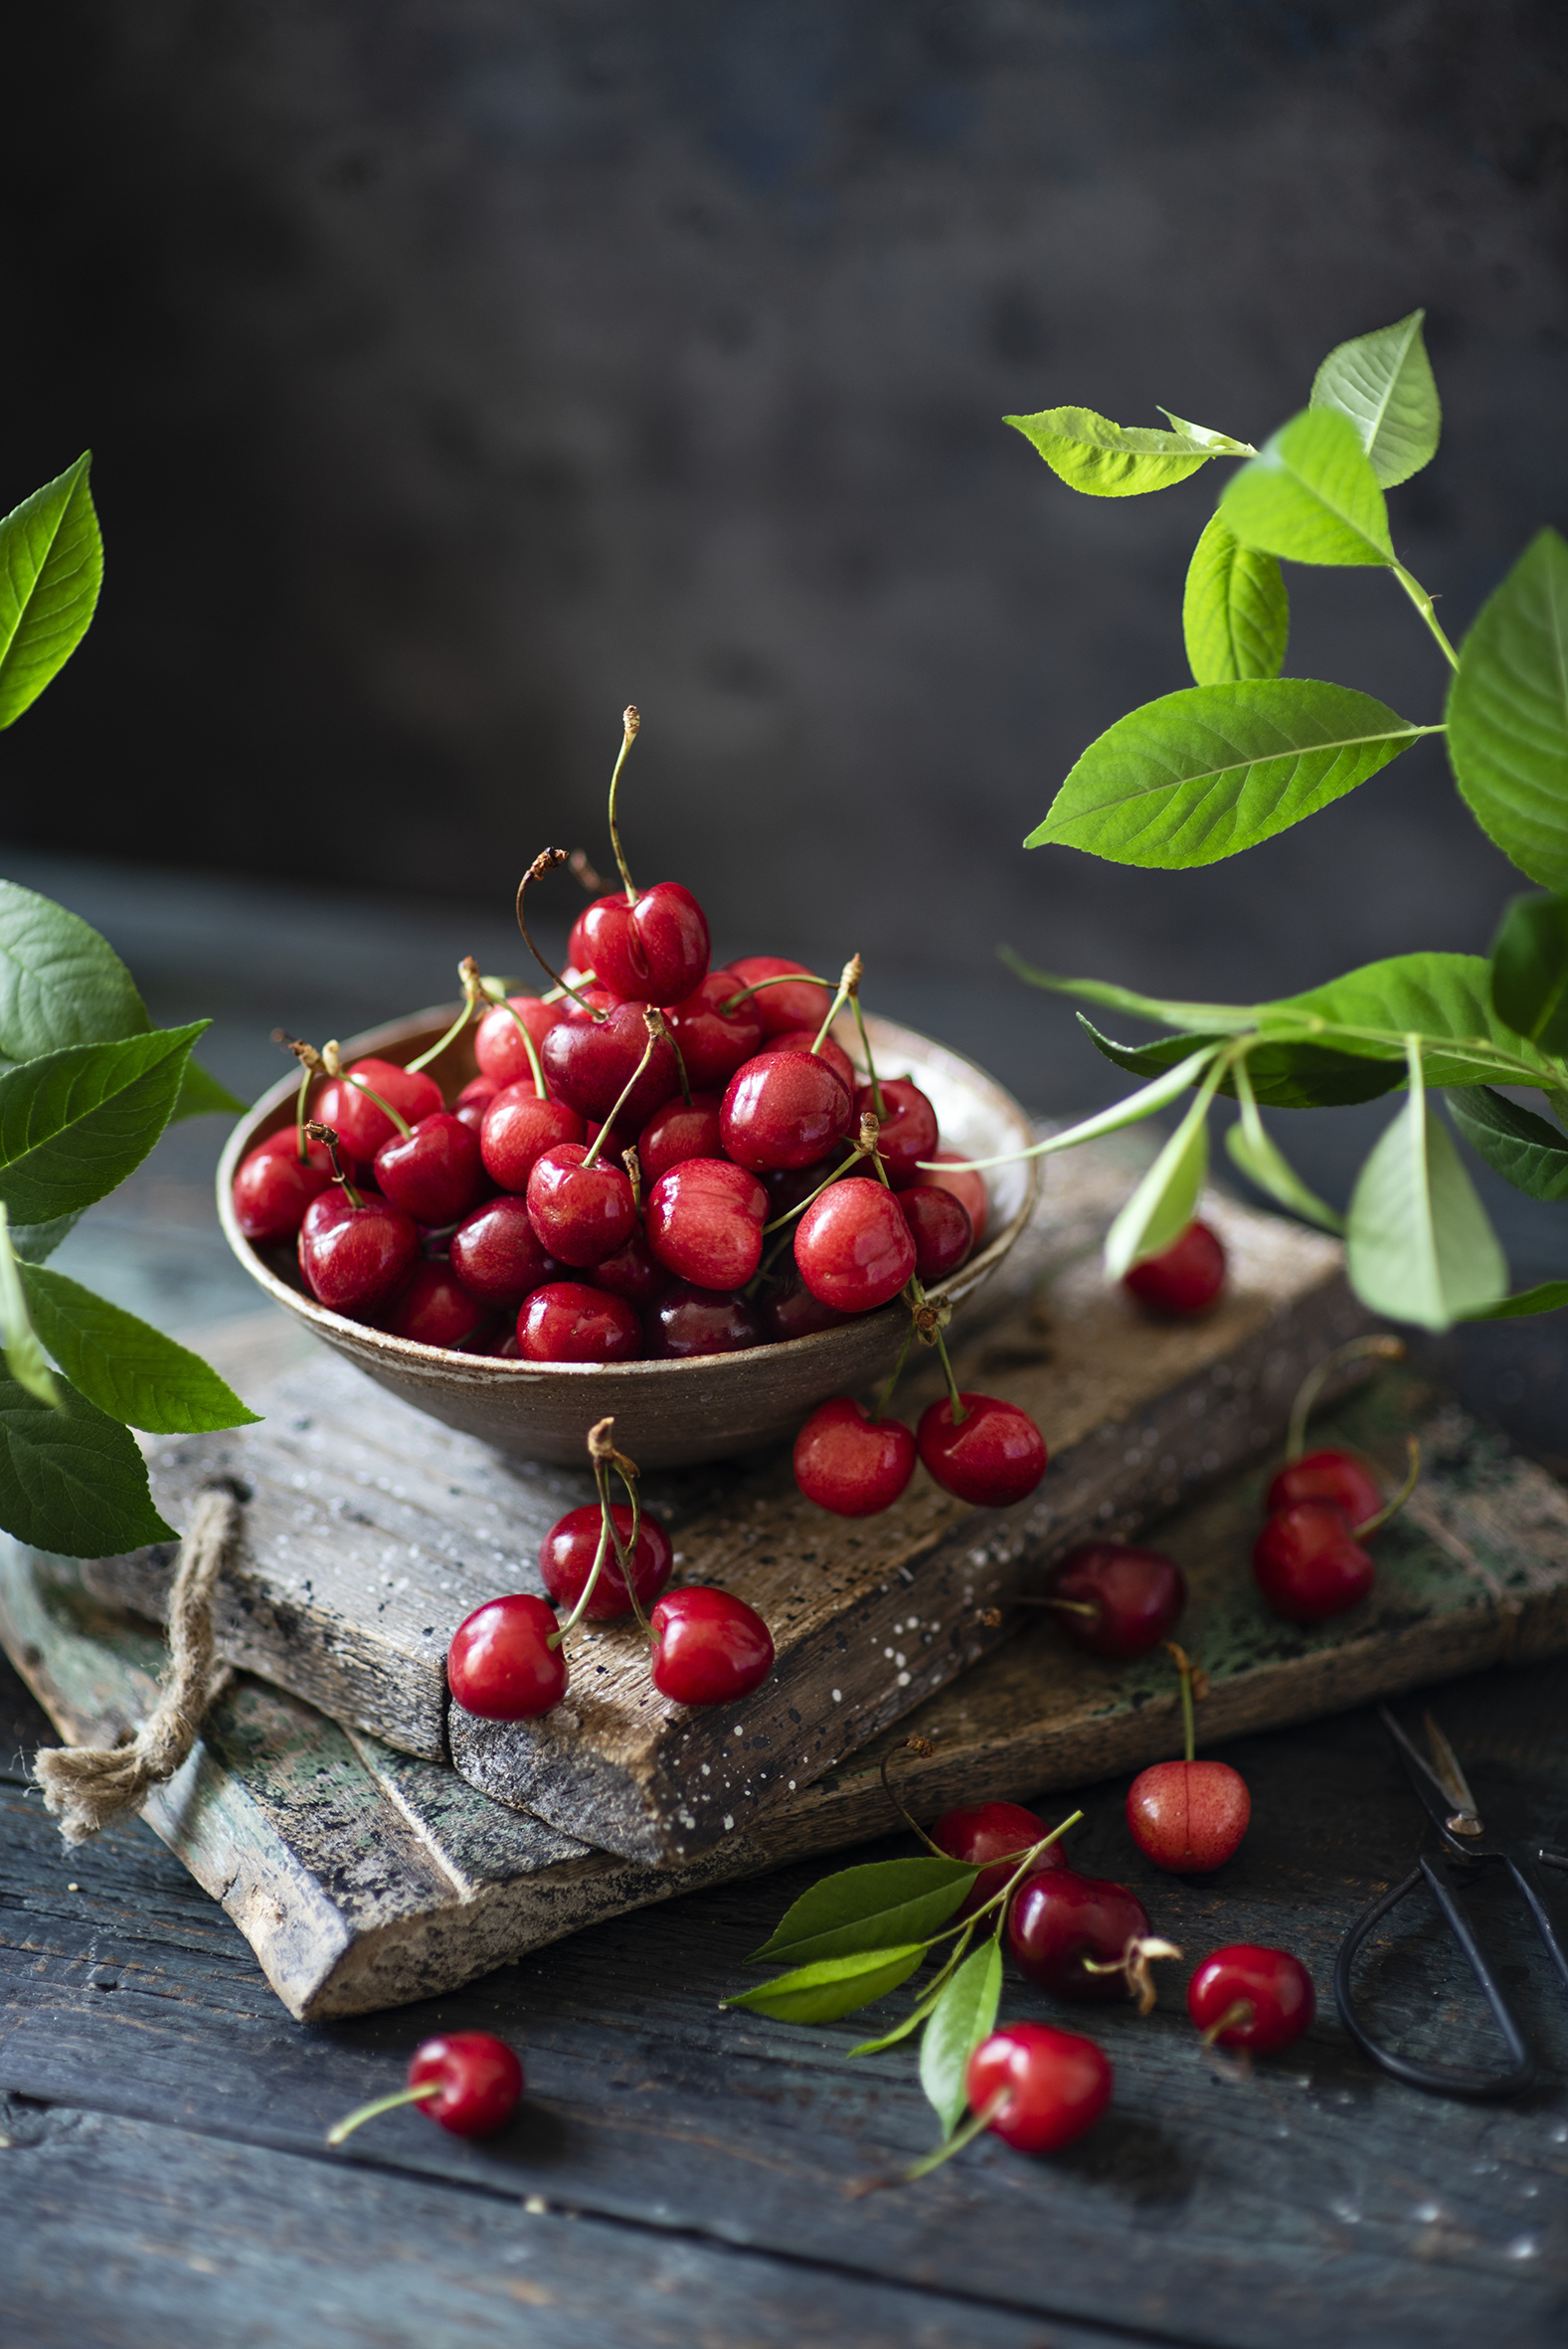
(1438, 2080)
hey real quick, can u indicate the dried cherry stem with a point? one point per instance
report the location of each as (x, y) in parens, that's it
(372, 2111)
(850, 981)
(473, 990)
(634, 1165)
(1380, 1347)
(1375, 1524)
(328, 1136)
(310, 1065)
(1134, 1962)
(546, 862)
(780, 979)
(631, 720)
(1194, 1684)
(654, 1024)
(1240, 2010)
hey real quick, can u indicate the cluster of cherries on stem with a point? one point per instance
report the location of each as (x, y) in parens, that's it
(1309, 1560)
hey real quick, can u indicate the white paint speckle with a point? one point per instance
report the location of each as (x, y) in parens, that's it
(838, 1696)
(729, 1823)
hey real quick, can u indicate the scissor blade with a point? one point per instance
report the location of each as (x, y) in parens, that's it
(1448, 1773)
(1441, 1800)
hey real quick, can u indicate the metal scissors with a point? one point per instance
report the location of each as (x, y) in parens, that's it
(1465, 1842)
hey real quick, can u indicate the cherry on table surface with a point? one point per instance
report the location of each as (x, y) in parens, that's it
(679, 1131)
(1135, 1596)
(499, 1046)
(992, 1458)
(568, 1551)
(588, 1063)
(1309, 1564)
(501, 1665)
(939, 1226)
(907, 1132)
(1185, 1279)
(653, 952)
(1341, 1478)
(435, 1172)
(433, 1308)
(361, 1126)
(853, 1246)
(782, 1109)
(687, 1320)
(496, 1253)
(991, 1832)
(1188, 1816)
(709, 1647)
(1060, 1922)
(711, 1041)
(632, 1272)
(466, 2080)
(582, 1213)
(795, 1003)
(355, 1255)
(568, 1322)
(275, 1185)
(1056, 2085)
(852, 1463)
(705, 1222)
(966, 1186)
(516, 1131)
(1248, 1996)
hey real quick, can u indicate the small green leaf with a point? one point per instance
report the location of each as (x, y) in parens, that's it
(129, 1369)
(964, 2013)
(1283, 1075)
(1167, 1199)
(73, 1123)
(1217, 444)
(23, 1355)
(1235, 614)
(73, 1481)
(1545, 1297)
(51, 570)
(1530, 971)
(1311, 494)
(1445, 999)
(201, 1095)
(59, 982)
(1204, 773)
(1259, 1159)
(832, 1986)
(1508, 714)
(35, 1243)
(1223, 1018)
(1420, 1246)
(868, 1908)
(1105, 459)
(1514, 1142)
(1383, 382)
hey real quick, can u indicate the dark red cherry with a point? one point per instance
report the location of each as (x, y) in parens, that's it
(939, 1227)
(274, 1186)
(804, 1039)
(851, 1463)
(709, 1647)
(361, 1128)
(433, 1173)
(1342, 1477)
(1188, 1816)
(653, 952)
(795, 1005)
(711, 1042)
(689, 1320)
(1185, 1279)
(500, 1665)
(499, 1046)
(791, 1186)
(1135, 1595)
(782, 1109)
(967, 1188)
(677, 1131)
(589, 1063)
(568, 1551)
(788, 1307)
(993, 1458)
(518, 1129)
(908, 1129)
(705, 1222)
(853, 1246)
(618, 1139)
(353, 1257)
(1260, 1999)
(582, 1213)
(1055, 2084)
(481, 2082)
(472, 1102)
(989, 1833)
(496, 1253)
(1309, 1564)
(632, 1272)
(433, 1308)
(1058, 1919)
(568, 1322)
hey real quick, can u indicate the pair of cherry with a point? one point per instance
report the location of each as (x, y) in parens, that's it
(987, 1452)
(1309, 1560)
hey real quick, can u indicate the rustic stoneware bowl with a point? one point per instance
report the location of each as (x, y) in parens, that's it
(668, 1413)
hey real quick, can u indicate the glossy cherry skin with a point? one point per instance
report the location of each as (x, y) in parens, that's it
(939, 1226)
(500, 1665)
(679, 1132)
(967, 1188)
(1309, 1564)
(849, 1463)
(1342, 1477)
(274, 1186)
(782, 1008)
(1275, 1985)
(472, 1102)
(361, 1128)
(354, 1257)
(435, 1174)
(653, 952)
(567, 1321)
(788, 1307)
(589, 1063)
(1185, 1279)
(711, 1042)
(1188, 1816)
(499, 1046)
(705, 1222)
(1137, 1594)
(433, 1308)
(632, 1272)
(993, 1458)
(709, 1647)
(992, 1831)
(804, 1039)
(481, 2077)
(496, 1253)
(688, 1320)
(908, 1129)
(1057, 2084)
(1059, 1919)
(853, 1246)
(582, 1213)
(782, 1109)
(568, 1551)
(518, 1129)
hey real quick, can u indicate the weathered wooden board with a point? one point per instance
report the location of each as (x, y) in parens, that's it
(364, 1878)
(372, 1532)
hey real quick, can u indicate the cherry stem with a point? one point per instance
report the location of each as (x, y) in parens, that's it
(1134, 1963)
(546, 862)
(472, 990)
(964, 2135)
(790, 1213)
(955, 1401)
(924, 1747)
(1063, 1606)
(371, 1094)
(310, 1060)
(630, 721)
(1375, 1524)
(1191, 1673)
(999, 1901)
(654, 1023)
(327, 1135)
(1238, 2012)
(898, 1371)
(601, 1447)
(850, 981)
(780, 979)
(1380, 1347)
(353, 2120)
(634, 1165)
(877, 1102)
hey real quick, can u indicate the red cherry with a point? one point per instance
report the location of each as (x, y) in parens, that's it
(496, 1253)
(709, 1647)
(567, 1321)
(705, 1222)
(1309, 1564)
(618, 1139)
(481, 2082)
(1337, 1477)
(354, 1257)
(782, 1109)
(677, 1131)
(518, 1129)
(1188, 1816)
(273, 1187)
(472, 1102)
(500, 1665)
(1274, 1984)
(1056, 2085)
(782, 1008)
(791, 1186)
(1137, 1596)
(498, 1047)
(1058, 1919)
(804, 1039)
(852, 1463)
(967, 1188)
(1185, 1279)
(788, 1307)
(714, 1043)
(582, 1213)
(632, 1272)
(853, 1246)
(434, 1308)
(361, 1126)
(653, 952)
(993, 1458)
(908, 1130)
(688, 1321)
(433, 1173)
(568, 1551)
(939, 1227)
(993, 1831)
(589, 1063)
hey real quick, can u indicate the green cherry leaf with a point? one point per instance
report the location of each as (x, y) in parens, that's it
(129, 1369)
(832, 1986)
(1200, 434)
(1508, 714)
(1167, 1199)
(1235, 612)
(1545, 1297)
(1283, 1075)
(1515, 1144)
(1445, 999)
(59, 982)
(72, 1480)
(1166, 1011)
(1263, 1163)
(963, 2015)
(1383, 382)
(73, 1123)
(51, 570)
(1207, 772)
(1530, 971)
(1105, 459)
(1419, 1243)
(24, 1357)
(1311, 494)
(35, 1243)
(870, 1908)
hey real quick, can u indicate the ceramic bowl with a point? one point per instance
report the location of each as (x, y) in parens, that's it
(668, 1413)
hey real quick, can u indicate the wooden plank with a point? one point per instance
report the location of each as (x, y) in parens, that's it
(372, 1532)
